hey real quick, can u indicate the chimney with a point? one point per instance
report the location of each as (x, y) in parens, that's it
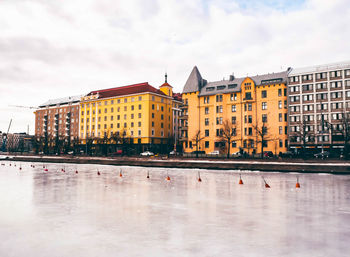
(232, 77)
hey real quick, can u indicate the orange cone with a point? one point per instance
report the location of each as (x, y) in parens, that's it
(240, 180)
(167, 177)
(98, 173)
(199, 177)
(266, 185)
(120, 174)
(147, 174)
(76, 172)
(297, 185)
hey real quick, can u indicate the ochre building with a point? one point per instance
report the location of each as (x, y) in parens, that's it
(138, 112)
(250, 106)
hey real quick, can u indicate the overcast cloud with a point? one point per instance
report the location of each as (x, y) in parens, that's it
(51, 49)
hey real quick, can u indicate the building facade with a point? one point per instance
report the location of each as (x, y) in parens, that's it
(139, 112)
(319, 105)
(249, 106)
(57, 122)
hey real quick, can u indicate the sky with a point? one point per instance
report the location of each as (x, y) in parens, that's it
(51, 49)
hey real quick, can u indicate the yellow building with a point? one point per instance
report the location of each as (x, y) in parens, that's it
(251, 106)
(139, 112)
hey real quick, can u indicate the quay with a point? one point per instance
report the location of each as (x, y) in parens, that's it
(267, 165)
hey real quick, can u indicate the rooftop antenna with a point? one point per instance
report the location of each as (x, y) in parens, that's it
(166, 77)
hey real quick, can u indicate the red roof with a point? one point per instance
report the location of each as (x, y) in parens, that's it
(165, 85)
(126, 90)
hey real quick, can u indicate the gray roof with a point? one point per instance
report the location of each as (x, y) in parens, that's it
(236, 87)
(260, 79)
(61, 101)
(194, 81)
(320, 68)
(232, 86)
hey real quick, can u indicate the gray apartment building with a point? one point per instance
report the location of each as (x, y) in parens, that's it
(319, 106)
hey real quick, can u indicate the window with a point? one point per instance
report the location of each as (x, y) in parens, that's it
(263, 94)
(307, 108)
(233, 108)
(207, 132)
(335, 95)
(234, 144)
(307, 77)
(264, 105)
(322, 96)
(206, 110)
(320, 86)
(152, 123)
(139, 115)
(279, 104)
(308, 87)
(233, 119)
(111, 117)
(279, 92)
(264, 118)
(280, 117)
(322, 75)
(152, 115)
(321, 107)
(218, 120)
(347, 72)
(132, 116)
(336, 106)
(152, 106)
(206, 121)
(221, 87)
(307, 98)
(162, 117)
(248, 96)
(218, 98)
(336, 84)
(335, 74)
(139, 123)
(125, 108)
(206, 144)
(294, 89)
(161, 125)
(206, 99)
(219, 109)
(294, 79)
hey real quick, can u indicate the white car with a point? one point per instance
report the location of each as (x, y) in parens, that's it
(237, 154)
(147, 153)
(215, 152)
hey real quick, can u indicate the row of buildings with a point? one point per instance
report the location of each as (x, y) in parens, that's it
(301, 108)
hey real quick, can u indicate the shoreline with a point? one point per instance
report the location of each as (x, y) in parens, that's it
(269, 165)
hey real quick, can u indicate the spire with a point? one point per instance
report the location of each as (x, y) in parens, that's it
(166, 77)
(194, 81)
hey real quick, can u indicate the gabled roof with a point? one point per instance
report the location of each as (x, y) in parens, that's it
(194, 81)
(227, 86)
(126, 90)
(265, 78)
(61, 101)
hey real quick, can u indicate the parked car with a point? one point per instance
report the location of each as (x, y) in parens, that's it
(215, 152)
(147, 153)
(322, 155)
(198, 152)
(174, 153)
(288, 154)
(237, 154)
(268, 154)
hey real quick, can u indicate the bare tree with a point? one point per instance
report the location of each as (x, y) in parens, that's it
(304, 133)
(197, 138)
(228, 133)
(262, 136)
(344, 129)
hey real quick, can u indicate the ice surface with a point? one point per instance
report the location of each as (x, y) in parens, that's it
(57, 213)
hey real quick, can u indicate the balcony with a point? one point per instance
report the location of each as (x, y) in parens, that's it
(183, 117)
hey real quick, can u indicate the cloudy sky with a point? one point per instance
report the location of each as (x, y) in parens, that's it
(58, 48)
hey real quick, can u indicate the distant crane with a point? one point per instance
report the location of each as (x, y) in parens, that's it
(4, 140)
(22, 106)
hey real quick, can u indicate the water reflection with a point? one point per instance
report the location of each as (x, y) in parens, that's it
(59, 213)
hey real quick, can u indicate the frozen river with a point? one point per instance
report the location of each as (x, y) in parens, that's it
(56, 213)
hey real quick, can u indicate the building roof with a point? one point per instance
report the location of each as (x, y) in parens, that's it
(194, 81)
(320, 68)
(222, 87)
(234, 85)
(126, 90)
(61, 101)
(279, 77)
